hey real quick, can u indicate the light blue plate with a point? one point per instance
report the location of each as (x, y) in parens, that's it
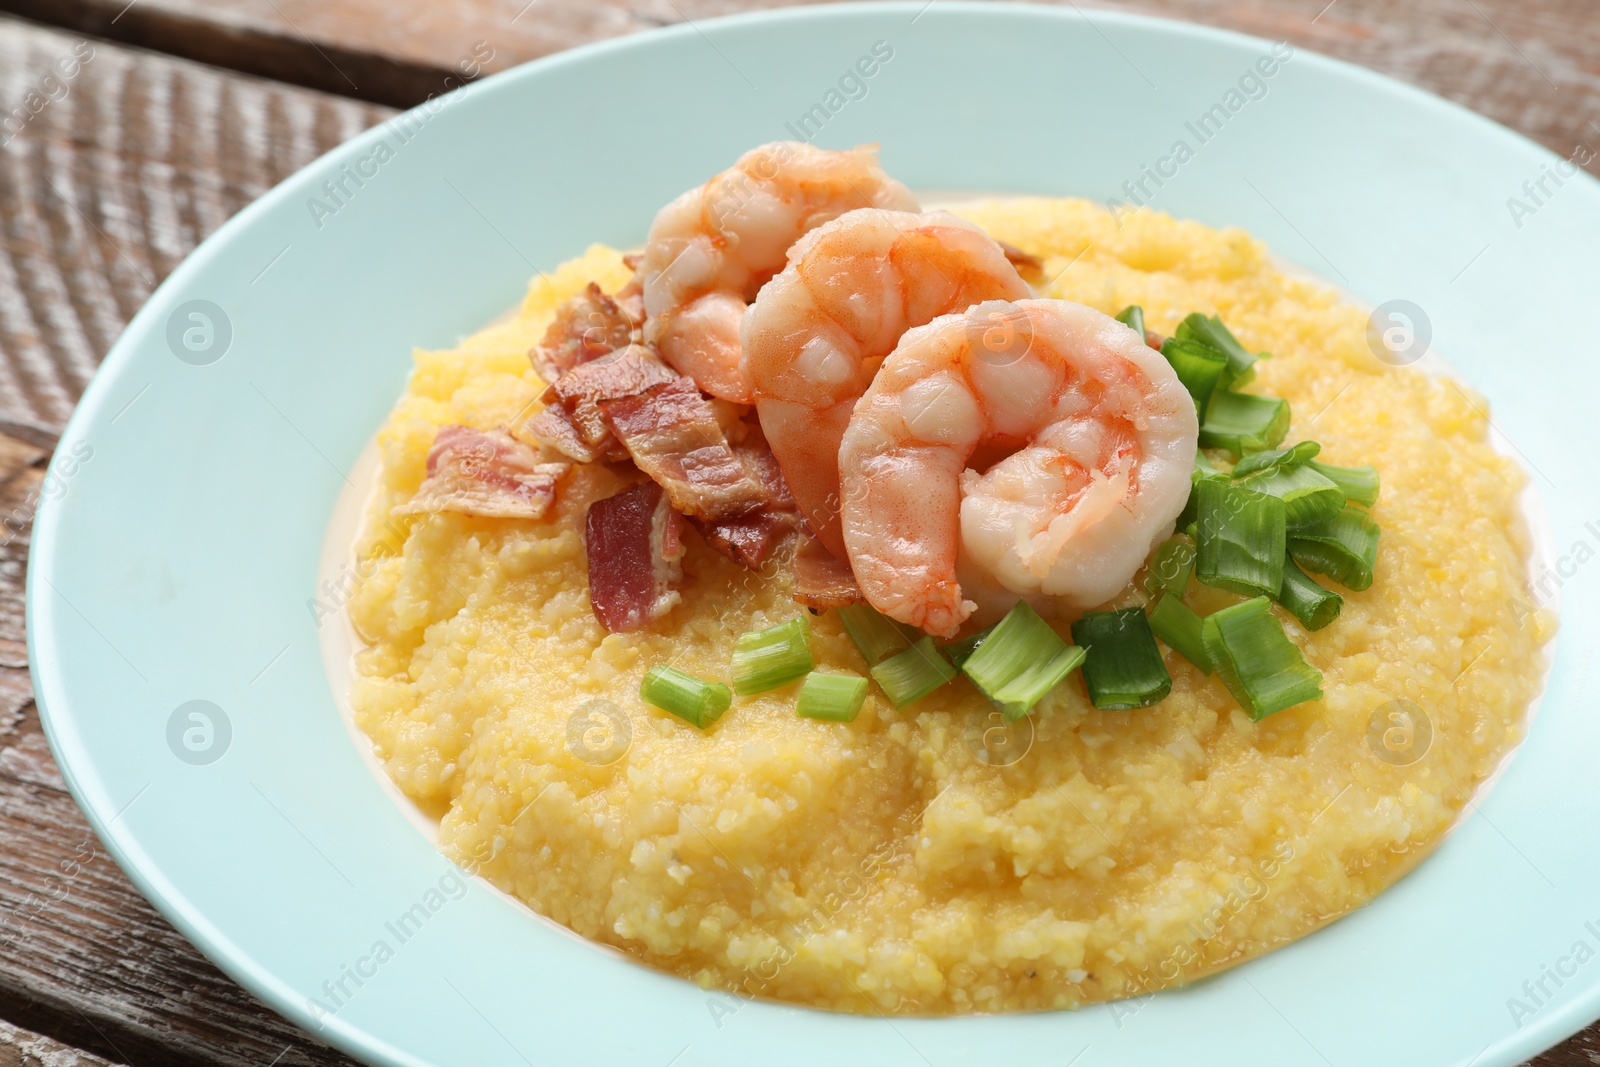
(178, 564)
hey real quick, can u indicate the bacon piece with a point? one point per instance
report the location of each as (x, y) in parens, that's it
(487, 473)
(821, 579)
(1154, 340)
(755, 454)
(1028, 265)
(586, 327)
(749, 539)
(635, 547)
(578, 428)
(553, 428)
(673, 436)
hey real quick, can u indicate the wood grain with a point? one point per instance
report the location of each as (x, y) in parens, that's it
(120, 172)
(20, 1048)
(138, 157)
(1532, 66)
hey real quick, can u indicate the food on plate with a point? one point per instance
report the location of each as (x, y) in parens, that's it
(814, 337)
(1004, 608)
(1095, 436)
(710, 250)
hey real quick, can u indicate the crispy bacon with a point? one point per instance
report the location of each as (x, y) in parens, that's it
(635, 548)
(1154, 340)
(1028, 265)
(577, 427)
(487, 473)
(553, 428)
(750, 538)
(586, 327)
(822, 580)
(747, 539)
(673, 436)
(755, 454)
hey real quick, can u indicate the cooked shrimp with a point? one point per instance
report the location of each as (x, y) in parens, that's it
(1101, 438)
(712, 248)
(817, 333)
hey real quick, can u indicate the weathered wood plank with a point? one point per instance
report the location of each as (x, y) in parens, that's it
(114, 164)
(20, 1048)
(1531, 66)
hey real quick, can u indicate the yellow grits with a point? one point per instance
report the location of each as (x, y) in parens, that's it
(925, 860)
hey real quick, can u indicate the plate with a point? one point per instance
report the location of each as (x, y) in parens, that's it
(171, 597)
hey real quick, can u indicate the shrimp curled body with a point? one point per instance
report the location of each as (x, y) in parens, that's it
(817, 332)
(713, 247)
(1098, 437)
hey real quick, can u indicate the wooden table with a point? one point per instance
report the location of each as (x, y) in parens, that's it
(140, 126)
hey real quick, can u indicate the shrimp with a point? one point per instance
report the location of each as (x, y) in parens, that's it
(818, 331)
(712, 248)
(1098, 439)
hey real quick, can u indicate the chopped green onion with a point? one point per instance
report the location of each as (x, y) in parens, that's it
(1344, 548)
(1203, 470)
(1020, 661)
(960, 651)
(1211, 331)
(1309, 499)
(835, 697)
(1133, 317)
(1307, 601)
(689, 698)
(1170, 566)
(914, 673)
(1180, 628)
(1123, 669)
(1360, 484)
(1240, 539)
(766, 659)
(1261, 667)
(1243, 422)
(1294, 456)
(1200, 368)
(876, 636)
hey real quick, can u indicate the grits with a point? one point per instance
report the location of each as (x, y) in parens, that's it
(884, 865)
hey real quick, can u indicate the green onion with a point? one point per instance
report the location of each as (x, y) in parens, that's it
(1309, 499)
(1203, 471)
(1020, 661)
(1261, 667)
(1344, 548)
(1133, 317)
(1200, 368)
(766, 659)
(960, 651)
(1170, 566)
(914, 673)
(1180, 628)
(699, 702)
(835, 697)
(1211, 331)
(1243, 422)
(1240, 539)
(1293, 456)
(876, 636)
(1124, 668)
(1307, 601)
(1360, 484)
